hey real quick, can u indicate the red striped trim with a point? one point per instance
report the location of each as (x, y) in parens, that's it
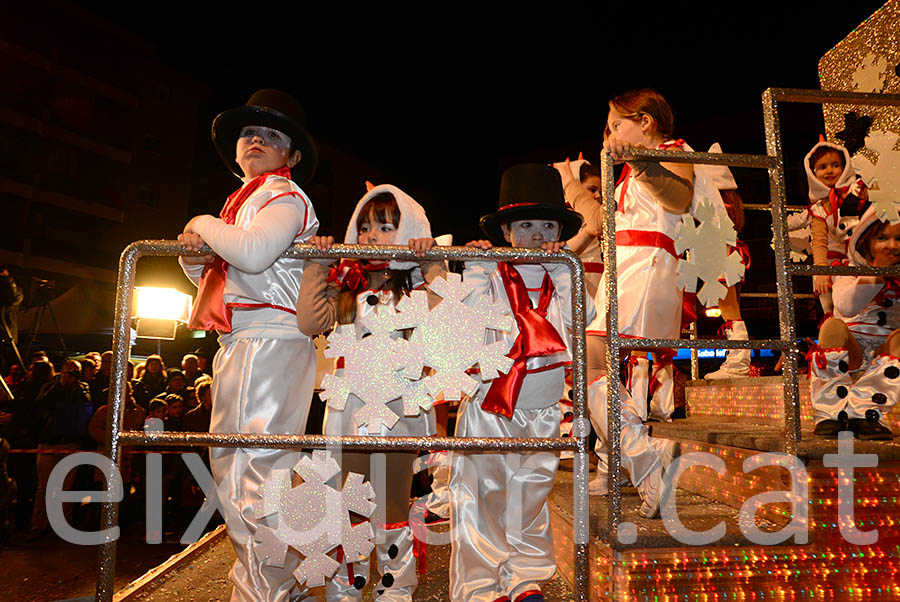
(511, 205)
(471, 371)
(278, 196)
(261, 305)
(502, 599)
(645, 238)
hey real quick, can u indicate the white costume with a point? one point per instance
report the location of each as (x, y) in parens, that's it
(840, 226)
(265, 368)
(650, 304)
(871, 313)
(394, 542)
(500, 523)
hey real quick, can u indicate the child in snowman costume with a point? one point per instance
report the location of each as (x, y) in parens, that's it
(265, 368)
(502, 545)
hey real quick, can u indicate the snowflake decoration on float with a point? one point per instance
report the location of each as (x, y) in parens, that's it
(314, 517)
(710, 258)
(870, 75)
(883, 177)
(373, 370)
(451, 337)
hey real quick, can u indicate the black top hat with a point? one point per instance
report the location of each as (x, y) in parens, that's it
(531, 191)
(273, 109)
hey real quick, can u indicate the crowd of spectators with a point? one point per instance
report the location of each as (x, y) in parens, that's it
(53, 413)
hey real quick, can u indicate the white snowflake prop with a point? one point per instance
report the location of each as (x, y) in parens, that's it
(314, 517)
(883, 177)
(870, 75)
(373, 371)
(451, 338)
(710, 258)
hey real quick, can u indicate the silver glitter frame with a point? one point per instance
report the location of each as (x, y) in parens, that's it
(578, 443)
(773, 161)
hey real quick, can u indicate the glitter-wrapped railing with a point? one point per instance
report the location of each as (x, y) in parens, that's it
(577, 443)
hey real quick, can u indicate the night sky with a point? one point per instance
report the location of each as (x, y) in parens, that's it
(440, 98)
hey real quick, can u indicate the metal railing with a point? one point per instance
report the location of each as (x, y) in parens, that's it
(785, 270)
(578, 442)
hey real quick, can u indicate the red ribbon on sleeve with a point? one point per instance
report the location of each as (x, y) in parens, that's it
(349, 274)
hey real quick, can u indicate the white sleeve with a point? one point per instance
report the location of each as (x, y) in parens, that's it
(850, 298)
(478, 274)
(267, 236)
(193, 272)
(562, 282)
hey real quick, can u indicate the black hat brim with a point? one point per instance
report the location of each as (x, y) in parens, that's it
(569, 220)
(227, 126)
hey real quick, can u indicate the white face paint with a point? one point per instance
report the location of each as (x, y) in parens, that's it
(261, 149)
(531, 233)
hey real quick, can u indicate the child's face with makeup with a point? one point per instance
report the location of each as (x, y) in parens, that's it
(531, 233)
(261, 150)
(884, 247)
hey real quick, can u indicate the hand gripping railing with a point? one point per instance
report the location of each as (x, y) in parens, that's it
(785, 269)
(577, 443)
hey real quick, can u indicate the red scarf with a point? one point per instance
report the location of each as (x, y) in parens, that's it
(349, 274)
(209, 311)
(537, 337)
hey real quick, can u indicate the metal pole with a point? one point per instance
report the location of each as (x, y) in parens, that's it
(109, 516)
(783, 278)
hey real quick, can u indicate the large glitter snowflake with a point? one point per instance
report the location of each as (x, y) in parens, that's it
(314, 517)
(451, 337)
(374, 370)
(710, 258)
(883, 177)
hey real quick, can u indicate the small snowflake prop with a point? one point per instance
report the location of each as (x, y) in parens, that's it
(451, 337)
(314, 517)
(710, 258)
(870, 76)
(883, 177)
(373, 370)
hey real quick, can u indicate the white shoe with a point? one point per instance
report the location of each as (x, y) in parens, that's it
(737, 361)
(650, 490)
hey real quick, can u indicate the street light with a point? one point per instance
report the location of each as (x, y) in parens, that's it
(159, 310)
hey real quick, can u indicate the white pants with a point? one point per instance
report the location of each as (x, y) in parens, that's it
(499, 520)
(261, 386)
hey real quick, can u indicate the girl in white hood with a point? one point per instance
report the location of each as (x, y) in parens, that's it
(339, 297)
(837, 198)
(862, 337)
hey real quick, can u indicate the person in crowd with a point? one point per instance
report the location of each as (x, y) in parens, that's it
(65, 410)
(152, 382)
(492, 558)
(385, 215)
(248, 293)
(190, 366)
(838, 197)
(100, 383)
(197, 419)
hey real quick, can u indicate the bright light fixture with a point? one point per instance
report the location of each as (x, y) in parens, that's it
(714, 312)
(162, 304)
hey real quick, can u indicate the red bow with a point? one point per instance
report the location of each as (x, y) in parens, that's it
(537, 337)
(890, 290)
(815, 354)
(210, 311)
(349, 275)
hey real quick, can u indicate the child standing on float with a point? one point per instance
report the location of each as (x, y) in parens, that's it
(838, 197)
(500, 523)
(265, 368)
(651, 197)
(338, 297)
(861, 338)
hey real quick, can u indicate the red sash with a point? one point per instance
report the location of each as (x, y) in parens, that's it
(209, 311)
(537, 337)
